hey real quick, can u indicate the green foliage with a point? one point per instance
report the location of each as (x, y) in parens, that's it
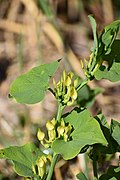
(113, 145)
(94, 28)
(81, 176)
(111, 70)
(113, 173)
(30, 87)
(115, 130)
(84, 134)
(86, 96)
(109, 34)
(76, 131)
(102, 50)
(23, 157)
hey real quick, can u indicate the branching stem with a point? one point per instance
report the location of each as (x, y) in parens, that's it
(55, 156)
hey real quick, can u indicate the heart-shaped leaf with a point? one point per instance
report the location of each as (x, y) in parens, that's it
(30, 87)
(23, 157)
(87, 131)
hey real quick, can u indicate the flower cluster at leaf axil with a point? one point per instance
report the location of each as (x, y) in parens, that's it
(65, 90)
(55, 130)
(40, 168)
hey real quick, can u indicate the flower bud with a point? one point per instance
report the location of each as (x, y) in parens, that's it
(41, 163)
(68, 81)
(73, 93)
(60, 131)
(40, 135)
(52, 135)
(64, 75)
(67, 132)
(62, 122)
(76, 82)
(53, 121)
(70, 103)
(71, 74)
(49, 157)
(49, 126)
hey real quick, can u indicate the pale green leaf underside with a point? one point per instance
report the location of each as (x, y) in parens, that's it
(112, 70)
(30, 87)
(23, 157)
(109, 34)
(113, 74)
(93, 24)
(86, 132)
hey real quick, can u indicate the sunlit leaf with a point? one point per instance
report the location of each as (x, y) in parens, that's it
(86, 132)
(23, 157)
(30, 87)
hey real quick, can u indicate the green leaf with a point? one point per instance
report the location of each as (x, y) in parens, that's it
(93, 24)
(112, 144)
(30, 87)
(104, 46)
(81, 176)
(86, 96)
(86, 132)
(111, 174)
(23, 157)
(115, 128)
(109, 34)
(112, 69)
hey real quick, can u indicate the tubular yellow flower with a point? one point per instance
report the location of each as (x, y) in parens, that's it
(71, 74)
(65, 90)
(76, 82)
(60, 131)
(40, 135)
(49, 157)
(49, 126)
(64, 75)
(73, 93)
(41, 163)
(52, 135)
(68, 81)
(53, 121)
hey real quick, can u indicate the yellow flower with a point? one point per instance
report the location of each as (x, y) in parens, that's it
(41, 164)
(49, 125)
(40, 135)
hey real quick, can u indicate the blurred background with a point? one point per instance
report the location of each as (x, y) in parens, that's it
(33, 32)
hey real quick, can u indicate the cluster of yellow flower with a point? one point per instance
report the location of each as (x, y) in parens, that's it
(65, 90)
(41, 165)
(55, 130)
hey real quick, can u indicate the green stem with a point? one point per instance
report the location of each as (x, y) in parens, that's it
(86, 172)
(60, 110)
(95, 164)
(55, 156)
(54, 160)
(82, 84)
